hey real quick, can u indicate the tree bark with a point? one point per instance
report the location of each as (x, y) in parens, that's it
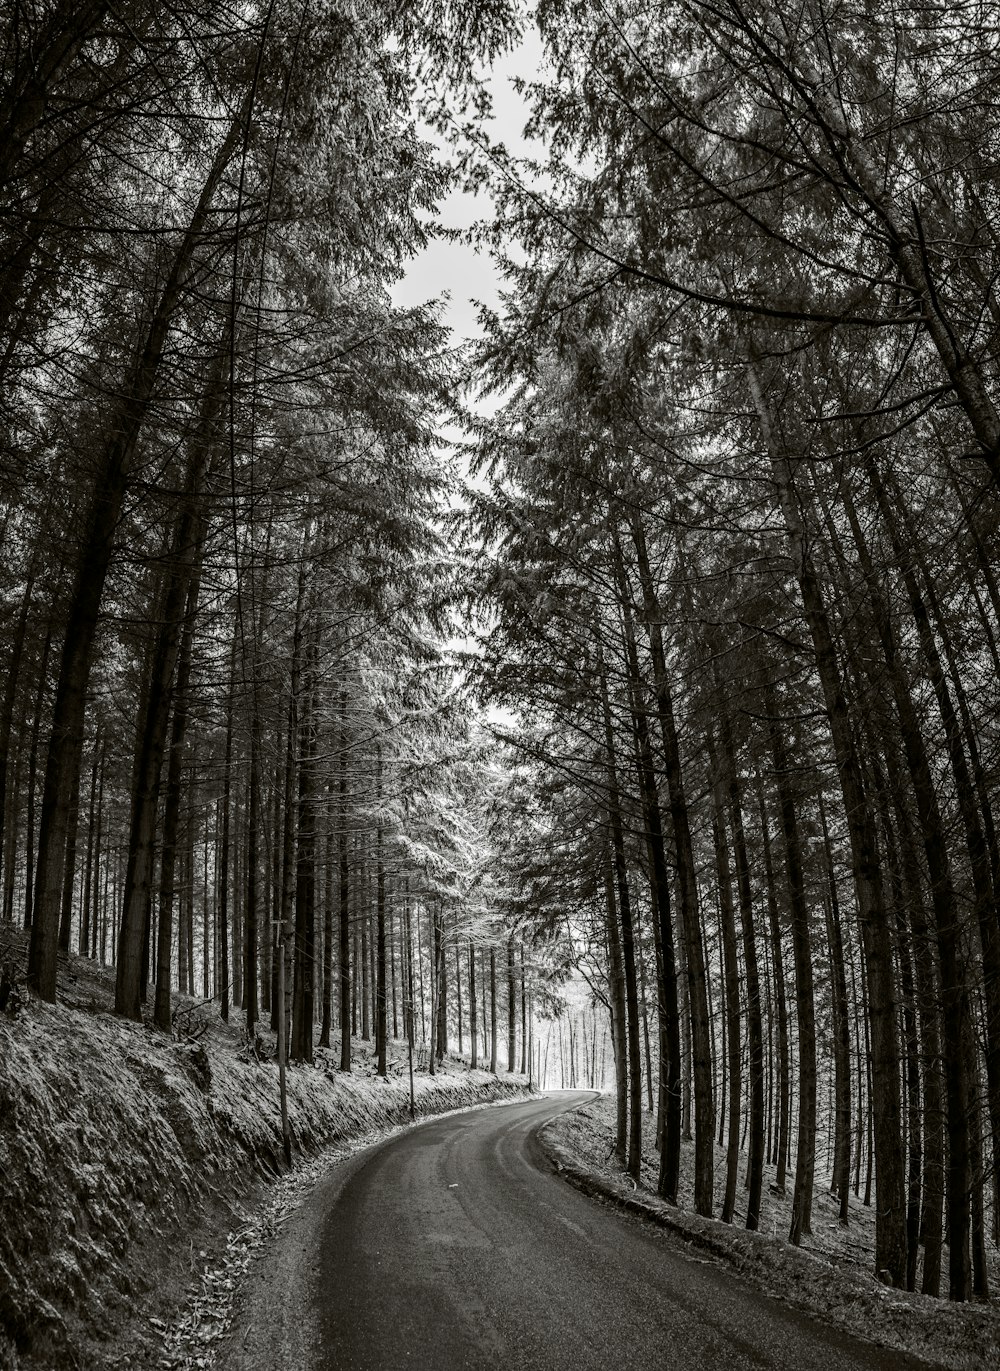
(731, 975)
(616, 989)
(755, 1031)
(303, 1011)
(783, 1086)
(955, 1009)
(381, 1017)
(184, 560)
(668, 1016)
(171, 819)
(634, 1151)
(344, 888)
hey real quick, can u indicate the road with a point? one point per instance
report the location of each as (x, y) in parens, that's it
(455, 1245)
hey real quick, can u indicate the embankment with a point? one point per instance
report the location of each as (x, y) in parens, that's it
(125, 1156)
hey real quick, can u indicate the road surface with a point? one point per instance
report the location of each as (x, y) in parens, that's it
(456, 1247)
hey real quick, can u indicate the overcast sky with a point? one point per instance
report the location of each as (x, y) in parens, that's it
(454, 267)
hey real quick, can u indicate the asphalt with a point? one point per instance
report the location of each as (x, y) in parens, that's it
(457, 1246)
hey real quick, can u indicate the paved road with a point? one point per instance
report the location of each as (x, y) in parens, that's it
(457, 1246)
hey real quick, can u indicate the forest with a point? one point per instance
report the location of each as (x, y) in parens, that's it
(606, 695)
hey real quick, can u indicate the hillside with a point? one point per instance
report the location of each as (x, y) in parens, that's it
(127, 1158)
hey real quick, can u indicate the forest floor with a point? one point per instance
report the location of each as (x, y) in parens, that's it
(829, 1276)
(139, 1173)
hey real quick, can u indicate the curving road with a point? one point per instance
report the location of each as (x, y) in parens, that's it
(455, 1245)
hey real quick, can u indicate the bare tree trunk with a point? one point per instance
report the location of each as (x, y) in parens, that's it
(381, 1017)
(841, 1035)
(15, 663)
(731, 972)
(525, 1045)
(805, 1162)
(755, 1032)
(171, 820)
(781, 1002)
(184, 559)
(303, 1012)
(511, 1031)
(29, 836)
(634, 1061)
(251, 930)
(668, 1016)
(86, 938)
(223, 843)
(344, 889)
(493, 1011)
(69, 874)
(616, 990)
(473, 1027)
(955, 1022)
(328, 873)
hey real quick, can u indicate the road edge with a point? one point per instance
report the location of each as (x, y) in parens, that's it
(202, 1336)
(873, 1305)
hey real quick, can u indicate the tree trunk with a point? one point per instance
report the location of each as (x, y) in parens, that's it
(30, 888)
(782, 1141)
(616, 990)
(303, 1013)
(381, 1017)
(15, 662)
(841, 1035)
(184, 559)
(86, 938)
(805, 1159)
(344, 889)
(473, 1028)
(493, 1011)
(634, 1155)
(700, 1029)
(69, 873)
(326, 1023)
(668, 1016)
(222, 842)
(171, 820)
(755, 1032)
(251, 931)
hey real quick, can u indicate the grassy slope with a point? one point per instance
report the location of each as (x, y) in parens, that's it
(124, 1155)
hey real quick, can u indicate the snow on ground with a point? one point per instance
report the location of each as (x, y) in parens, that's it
(128, 1162)
(830, 1275)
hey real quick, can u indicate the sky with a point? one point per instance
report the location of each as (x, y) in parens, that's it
(456, 267)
